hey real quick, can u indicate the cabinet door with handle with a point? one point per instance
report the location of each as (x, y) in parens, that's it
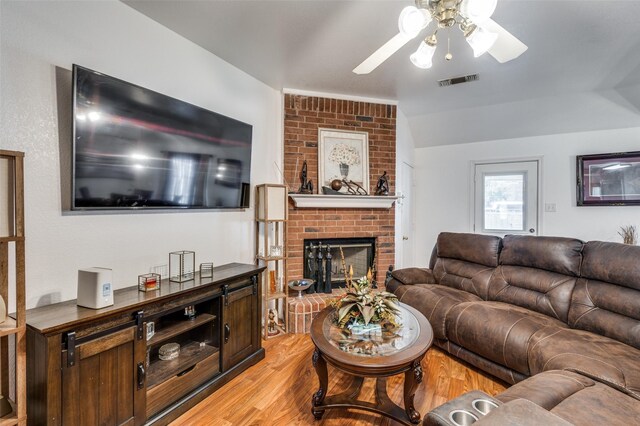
(103, 380)
(240, 330)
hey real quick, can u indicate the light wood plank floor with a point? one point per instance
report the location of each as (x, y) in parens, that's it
(277, 391)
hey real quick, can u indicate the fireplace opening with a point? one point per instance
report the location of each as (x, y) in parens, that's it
(324, 255)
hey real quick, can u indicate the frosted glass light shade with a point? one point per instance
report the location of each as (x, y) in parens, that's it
(481, 40)
(412, 20)
(478, 11)
(423, 57)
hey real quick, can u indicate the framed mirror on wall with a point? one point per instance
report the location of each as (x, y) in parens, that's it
(608, 179)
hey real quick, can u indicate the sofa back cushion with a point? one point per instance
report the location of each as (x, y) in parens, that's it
(537, 273)
(466, 261)
(474, 248)
(606, 299)
(555, 254)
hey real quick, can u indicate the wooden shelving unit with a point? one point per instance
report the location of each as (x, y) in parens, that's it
(12, 240)
(271, 230)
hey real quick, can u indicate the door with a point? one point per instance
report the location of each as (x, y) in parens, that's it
(103, 380)
(240, 330)
(405, 202)
(506, 198)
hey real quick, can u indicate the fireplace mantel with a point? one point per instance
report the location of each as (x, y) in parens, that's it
(320, 201)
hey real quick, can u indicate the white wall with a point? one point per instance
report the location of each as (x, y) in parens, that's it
(108, 36)
(443, 198)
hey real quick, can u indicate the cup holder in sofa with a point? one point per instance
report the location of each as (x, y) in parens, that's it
(462, 417)
(484, 406)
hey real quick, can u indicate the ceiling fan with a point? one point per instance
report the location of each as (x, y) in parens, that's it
(472, 16)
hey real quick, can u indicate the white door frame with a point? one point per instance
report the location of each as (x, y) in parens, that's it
(472, 195)
(400, 246)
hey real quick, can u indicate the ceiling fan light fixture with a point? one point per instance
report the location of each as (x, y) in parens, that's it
(413, 20)
(480, 40)
(423, 57)
(478, 11)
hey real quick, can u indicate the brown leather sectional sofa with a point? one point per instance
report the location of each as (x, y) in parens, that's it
(557, 317)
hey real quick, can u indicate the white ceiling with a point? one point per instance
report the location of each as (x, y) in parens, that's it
(581, 72)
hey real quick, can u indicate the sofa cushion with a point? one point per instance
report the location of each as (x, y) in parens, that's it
(606, 300)
(497, 331)
(598, 357)
(414, 276)
(612, 262)
(575, 398)
(537, 273)
(466, 276)
(474, 248)
(555, 254)
(548, 293)
(434, 301)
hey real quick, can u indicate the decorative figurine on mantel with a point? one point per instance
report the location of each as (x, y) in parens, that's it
(306, 186)
(382, 187)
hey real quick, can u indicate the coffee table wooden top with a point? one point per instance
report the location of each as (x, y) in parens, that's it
(379, 353)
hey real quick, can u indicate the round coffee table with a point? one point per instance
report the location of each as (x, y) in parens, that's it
(379, 354)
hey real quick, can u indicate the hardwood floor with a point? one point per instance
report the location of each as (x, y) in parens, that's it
(277, 391)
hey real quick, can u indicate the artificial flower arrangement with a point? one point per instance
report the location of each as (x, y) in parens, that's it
(344, 154)
(361, 307)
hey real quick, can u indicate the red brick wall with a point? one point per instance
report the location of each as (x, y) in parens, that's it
(303, 116)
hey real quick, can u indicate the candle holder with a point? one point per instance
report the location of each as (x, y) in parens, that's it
(182, 266)
(149, 282)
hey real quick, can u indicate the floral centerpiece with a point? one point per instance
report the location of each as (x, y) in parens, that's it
(345, 156)
(361, 307)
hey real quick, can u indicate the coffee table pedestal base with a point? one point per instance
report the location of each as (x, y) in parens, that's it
(349, 399)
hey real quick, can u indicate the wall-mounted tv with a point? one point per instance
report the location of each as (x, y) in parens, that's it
(134, 148)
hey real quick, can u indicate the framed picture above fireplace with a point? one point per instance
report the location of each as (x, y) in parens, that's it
(608, 179)
(343, 155)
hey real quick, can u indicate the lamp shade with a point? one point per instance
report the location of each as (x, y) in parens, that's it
(422, 58)
(481, 40)
(478, 11)
(412, 20)
(271, 202)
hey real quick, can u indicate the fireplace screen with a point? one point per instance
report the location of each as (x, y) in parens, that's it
(359, 255)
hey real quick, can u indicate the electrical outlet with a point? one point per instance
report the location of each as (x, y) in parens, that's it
(550, 207)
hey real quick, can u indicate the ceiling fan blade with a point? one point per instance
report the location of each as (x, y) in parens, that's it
(507, 47)
(382, 54)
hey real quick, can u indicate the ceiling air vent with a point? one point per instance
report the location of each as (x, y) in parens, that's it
(458, 80)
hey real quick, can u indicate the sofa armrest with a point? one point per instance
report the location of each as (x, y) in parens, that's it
(409, 276)
(522, 413)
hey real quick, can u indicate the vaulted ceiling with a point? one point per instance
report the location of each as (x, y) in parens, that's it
(581, 72)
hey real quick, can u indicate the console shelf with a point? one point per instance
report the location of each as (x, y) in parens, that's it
(190, 354)
(178, 327)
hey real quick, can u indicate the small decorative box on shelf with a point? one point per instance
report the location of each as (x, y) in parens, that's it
(206, 270)
(149, 282)
(182, 266)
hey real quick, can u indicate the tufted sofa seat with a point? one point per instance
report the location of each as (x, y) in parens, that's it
(523, 306)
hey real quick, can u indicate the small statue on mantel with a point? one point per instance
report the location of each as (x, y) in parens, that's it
(306, 186)
(389, 276)
(382, 187)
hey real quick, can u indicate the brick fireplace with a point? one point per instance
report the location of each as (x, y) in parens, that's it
(304, 115)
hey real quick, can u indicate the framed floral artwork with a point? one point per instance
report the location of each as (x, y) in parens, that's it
(343, 155)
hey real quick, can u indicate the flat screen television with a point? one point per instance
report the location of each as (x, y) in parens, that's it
(134, 148)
